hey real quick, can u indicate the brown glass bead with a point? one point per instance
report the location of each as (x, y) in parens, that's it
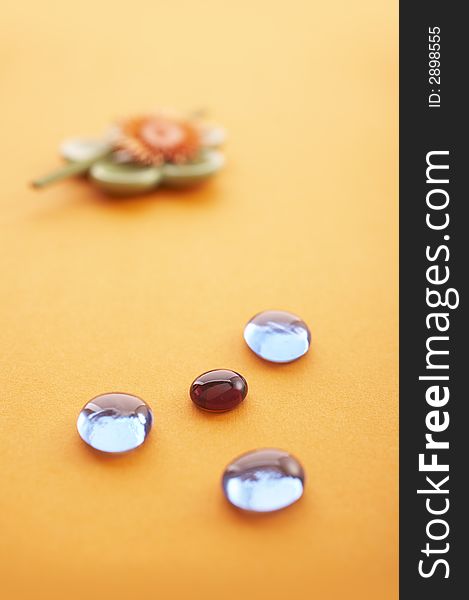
(219, 390)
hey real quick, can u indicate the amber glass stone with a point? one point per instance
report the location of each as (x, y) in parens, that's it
(219, 390)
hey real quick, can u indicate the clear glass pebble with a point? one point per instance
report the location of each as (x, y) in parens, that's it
(277, 336)
(115, 422)
(263, 480)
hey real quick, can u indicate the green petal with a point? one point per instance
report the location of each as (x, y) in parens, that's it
(124, 179)
(193, 173)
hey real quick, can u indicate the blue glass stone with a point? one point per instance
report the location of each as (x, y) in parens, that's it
(277, 336)
(263, 480)
(115, 422)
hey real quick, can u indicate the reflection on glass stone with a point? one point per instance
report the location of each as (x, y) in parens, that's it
(263, 480)
(115, 422)
(277, 336)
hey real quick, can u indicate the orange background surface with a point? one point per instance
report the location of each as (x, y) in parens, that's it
(142, 295)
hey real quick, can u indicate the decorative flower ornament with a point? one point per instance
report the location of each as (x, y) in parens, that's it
(157, 139)
(144, 152)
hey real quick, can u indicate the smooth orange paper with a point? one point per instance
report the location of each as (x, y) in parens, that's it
(142, 295)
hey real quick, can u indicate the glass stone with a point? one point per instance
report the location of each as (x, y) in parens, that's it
(263, 480)
(115, 422)
(219, 390)
(277, 336)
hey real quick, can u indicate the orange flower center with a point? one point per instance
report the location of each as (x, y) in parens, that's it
(161, 134)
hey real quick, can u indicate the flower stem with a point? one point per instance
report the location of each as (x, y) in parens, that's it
(68, 170)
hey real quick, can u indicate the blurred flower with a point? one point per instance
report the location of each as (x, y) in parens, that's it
(158, 139)
(140, 153)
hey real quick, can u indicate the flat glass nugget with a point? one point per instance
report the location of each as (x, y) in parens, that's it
(115, 422)
(263, 480)
(219, 390)
(277, 336)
